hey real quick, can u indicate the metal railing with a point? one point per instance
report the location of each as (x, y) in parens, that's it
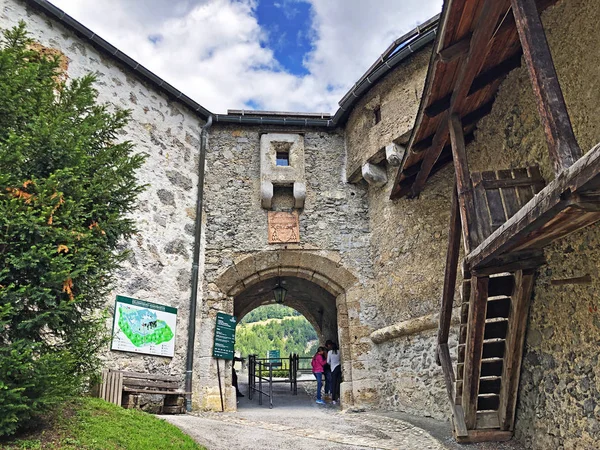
(260, 371)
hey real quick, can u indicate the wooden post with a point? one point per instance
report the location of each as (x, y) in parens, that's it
(458, 414)
(515, 337)
(474, 348)
(450, 272)
(466, 198)
(562, 145)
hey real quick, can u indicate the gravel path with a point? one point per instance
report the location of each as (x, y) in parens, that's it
(296, 422)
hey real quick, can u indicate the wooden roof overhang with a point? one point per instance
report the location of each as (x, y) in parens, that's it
(476, 46)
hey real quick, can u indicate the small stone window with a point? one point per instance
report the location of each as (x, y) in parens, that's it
(282, 153)
(377, 114)
(282, 159)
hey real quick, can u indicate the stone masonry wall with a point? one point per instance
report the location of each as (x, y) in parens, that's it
(559, 398)
(160, 264)
(334, 222)
(398, 96)
(408, 247)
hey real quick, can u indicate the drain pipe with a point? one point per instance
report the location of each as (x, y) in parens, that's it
(189, 365)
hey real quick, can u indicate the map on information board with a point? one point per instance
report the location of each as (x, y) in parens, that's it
(144, 327)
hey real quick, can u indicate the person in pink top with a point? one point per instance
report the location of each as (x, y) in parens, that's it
(318, 366)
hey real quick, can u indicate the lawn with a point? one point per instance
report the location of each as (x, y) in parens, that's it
(93, 424)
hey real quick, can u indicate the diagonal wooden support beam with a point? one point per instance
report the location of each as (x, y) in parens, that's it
(562, 145)
(470, 67)
(450, 271)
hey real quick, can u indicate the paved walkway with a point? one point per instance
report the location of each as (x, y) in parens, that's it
(296, 422)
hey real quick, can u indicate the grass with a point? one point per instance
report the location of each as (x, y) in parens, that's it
(93, 424)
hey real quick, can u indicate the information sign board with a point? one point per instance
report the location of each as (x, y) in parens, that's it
(224, 336)
(144, 327)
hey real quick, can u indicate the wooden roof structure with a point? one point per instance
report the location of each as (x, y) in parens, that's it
(476, 46)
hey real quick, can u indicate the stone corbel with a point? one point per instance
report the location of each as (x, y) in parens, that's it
(394, 154)
(374, 175)
(299, 195)
(266, 194)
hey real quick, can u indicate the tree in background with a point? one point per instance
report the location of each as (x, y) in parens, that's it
(66, 187)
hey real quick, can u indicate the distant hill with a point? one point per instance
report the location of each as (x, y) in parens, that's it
(275, 327)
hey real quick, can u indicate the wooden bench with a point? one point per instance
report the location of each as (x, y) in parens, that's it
(124, 388)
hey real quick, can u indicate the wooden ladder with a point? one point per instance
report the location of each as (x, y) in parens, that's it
(494, 309)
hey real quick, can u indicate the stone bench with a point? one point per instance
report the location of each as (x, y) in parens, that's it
(125, 388)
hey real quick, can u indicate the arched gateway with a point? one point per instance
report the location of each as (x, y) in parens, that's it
(318, 287)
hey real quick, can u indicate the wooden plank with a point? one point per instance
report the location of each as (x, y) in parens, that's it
(509, 194)
(438, 143)
(150, 383)
(153, 391)
(562, 145)
(474, 348)
(505, 181)
(466, 199)
(456, 50)
(483, 213)
(450, 271)
(494, 202)
(524, 192)
(486, 436)
(460, 428)
(487, 420)
(103, 384)
(509, 262)
(119, 398)
(515, 338)
(149, 376)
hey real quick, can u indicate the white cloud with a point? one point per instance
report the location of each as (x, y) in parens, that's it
(216, 52)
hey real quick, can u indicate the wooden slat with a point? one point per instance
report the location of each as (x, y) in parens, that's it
(494, 202)
(455, 50)
(509, 194)
(487, 420)
(450, 271)
(148, 376)
(152, 391)
(103, 384)
(514, 341)
(150, 383)
(483, 213)
(524, 192)
(119, 397)
(474, 348)
(460, 427)
(562, 145)
(466, 199)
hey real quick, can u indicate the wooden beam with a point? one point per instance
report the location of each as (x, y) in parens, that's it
(509, 262)
(585, 279)
(513, 355)
(481, 81)
(562, 145)
(460, 428)
(466, 199)
(479, 47)
(474, 348)
(455, 50)
(450, 272)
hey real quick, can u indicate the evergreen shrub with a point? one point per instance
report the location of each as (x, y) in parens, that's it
(67, 186)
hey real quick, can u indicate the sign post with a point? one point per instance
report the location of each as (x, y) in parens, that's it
(223, 345)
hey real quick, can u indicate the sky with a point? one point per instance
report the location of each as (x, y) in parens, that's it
(280, 55)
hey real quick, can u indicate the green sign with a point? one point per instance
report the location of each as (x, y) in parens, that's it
(274, 355)
(224, 336)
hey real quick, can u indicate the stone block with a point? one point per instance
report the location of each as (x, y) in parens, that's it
(375, 175)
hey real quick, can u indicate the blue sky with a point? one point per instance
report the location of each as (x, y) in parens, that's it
(285, 55)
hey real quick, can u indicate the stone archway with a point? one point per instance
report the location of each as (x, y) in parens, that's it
(320, 268)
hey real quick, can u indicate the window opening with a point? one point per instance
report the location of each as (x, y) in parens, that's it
(282, 158)
(377, 113)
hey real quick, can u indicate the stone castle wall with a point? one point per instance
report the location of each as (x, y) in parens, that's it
(408, 246)
(397, 96)
(159, 267)
(559, 396)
